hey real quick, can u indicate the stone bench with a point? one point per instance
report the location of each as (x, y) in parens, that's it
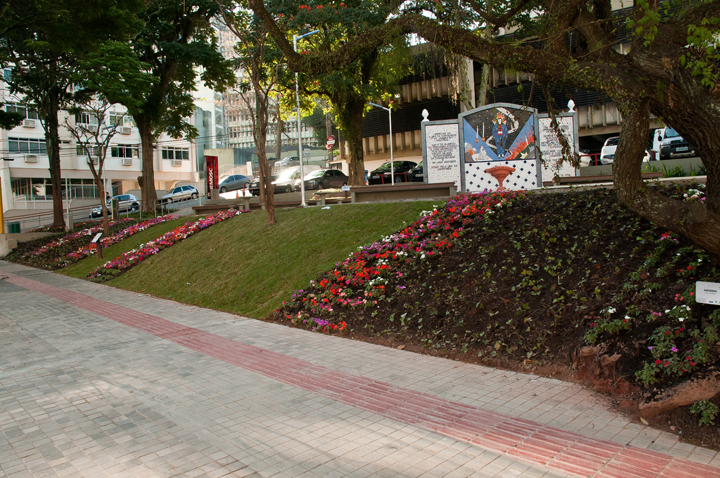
(384, 192)
(595, 179)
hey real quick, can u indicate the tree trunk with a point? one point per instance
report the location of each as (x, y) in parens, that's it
(149, 195)
(266, 187)
(350, 113)
(279, 126)
(52, 144)
(691, 219)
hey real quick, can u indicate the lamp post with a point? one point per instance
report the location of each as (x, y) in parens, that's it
(392, 163)
(297, 97)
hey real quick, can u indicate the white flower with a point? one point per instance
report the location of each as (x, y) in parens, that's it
(681, 319)
(611, 310)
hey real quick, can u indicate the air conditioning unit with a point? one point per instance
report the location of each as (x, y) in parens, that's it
(31, 158)
(176, 162)
(92, 128)
(28, 123)
(124, 130)
(127, 161)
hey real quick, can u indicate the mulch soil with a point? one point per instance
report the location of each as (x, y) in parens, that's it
(569, 285)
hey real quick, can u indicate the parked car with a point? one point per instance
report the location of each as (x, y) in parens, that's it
(671, 144)
(231, 183)
(128, 202)
(255, 185)
(607, 153)
(288, 161)
(325, 178)
(382, 175)
(180, 193)
(417, 173)
(285, 183)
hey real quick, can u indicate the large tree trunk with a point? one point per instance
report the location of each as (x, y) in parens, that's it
(52, 144)
(350, 113)
(691, 219)
(149, 195)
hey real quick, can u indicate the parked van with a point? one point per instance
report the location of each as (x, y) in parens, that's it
(669, 144)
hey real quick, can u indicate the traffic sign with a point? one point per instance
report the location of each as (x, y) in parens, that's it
(330, 142)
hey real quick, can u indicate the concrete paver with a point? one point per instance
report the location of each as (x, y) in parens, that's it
(96, 381)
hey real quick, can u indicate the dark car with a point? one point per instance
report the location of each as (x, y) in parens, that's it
(231, 183)
(325, 178)
(674, 145)
(382, 175)
(417, 173)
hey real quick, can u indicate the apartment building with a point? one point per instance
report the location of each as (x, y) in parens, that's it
(24, 169)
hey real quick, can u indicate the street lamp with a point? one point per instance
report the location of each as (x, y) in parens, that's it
(297, 97)
(392, 163)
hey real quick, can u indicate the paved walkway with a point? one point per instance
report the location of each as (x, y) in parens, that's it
(96, 381)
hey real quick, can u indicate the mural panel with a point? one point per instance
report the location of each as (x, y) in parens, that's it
(499, 148)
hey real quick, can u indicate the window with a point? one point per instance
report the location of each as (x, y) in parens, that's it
(124, 151)
(22, 109)
(175, 153)
(26, 145)
(85, 118)
(117, 119)
(7, 74)
(93, 149)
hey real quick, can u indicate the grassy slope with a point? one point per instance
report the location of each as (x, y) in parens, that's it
(246, 267)
(84, 267)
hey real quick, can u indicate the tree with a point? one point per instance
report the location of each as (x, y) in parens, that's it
(177, 40)
(371, 76)
(111, 75)
(260, 62)
(670, 70)
(41, 41)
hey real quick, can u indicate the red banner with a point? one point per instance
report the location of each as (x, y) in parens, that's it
(212, 173)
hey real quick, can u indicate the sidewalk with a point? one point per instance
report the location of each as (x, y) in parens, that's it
(96, 381)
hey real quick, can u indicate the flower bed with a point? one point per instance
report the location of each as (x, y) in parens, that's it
(108, 241)
(50, 254)
(126, 261)
(368, 275)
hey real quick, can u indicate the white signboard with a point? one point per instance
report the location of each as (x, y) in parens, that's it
(442, 142)
(97, 236)
(551, 148)
(707, 292)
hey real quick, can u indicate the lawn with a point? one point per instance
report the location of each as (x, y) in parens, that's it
(249, 268)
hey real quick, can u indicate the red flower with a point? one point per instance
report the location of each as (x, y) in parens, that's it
(658, 361)
(666, 363)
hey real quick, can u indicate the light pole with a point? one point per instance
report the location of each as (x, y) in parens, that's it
(392, 163)
(297, 97)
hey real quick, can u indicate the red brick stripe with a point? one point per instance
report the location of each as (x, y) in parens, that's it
(524, 440)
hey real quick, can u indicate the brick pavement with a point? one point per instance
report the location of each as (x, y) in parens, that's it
(96, 381)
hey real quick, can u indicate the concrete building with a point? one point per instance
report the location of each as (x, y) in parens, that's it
(24, 169)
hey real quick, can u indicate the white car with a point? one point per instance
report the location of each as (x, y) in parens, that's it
(607, 153)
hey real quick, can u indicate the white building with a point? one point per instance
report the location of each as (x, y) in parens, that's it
(24, 169)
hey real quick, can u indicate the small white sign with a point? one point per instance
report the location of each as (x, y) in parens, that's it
(307, 152)
(707, 292)
(345, 188)
(97, 236)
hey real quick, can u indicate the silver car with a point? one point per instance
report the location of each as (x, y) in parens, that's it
(128, 202)
(180, 193)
